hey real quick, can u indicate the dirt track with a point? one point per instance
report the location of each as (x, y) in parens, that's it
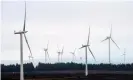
(71, 75)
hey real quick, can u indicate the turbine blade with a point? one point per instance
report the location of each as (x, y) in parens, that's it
(24, 18)
(27, 43)
(104, 39)
(92, 53)
(115, 43)
(81, 47)
(88, 36)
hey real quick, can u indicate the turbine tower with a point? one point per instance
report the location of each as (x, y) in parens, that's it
(62, 53)
(81, 59)
(46, 53)
(73, 55)
(59, 53)
(124, 55)
(21, 46)
(110, 39)
(87, 46)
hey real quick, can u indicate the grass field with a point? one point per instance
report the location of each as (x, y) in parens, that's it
(71, 75)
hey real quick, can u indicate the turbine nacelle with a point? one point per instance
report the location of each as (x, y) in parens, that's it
(59, 52)
(108, 37)
(72, 52)
(84, 46)
(45, 49)
(20, 32)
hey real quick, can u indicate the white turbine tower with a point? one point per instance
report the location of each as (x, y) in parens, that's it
(46, 53)
(110, 39)
(21, 46)
(73, 55)
(62, 53)
(124, 54)
(59, 53)
(87, 46)
(80, 59)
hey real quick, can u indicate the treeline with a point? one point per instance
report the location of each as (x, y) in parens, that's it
(28, 67)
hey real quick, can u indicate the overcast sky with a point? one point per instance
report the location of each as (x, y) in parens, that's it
(67, 24)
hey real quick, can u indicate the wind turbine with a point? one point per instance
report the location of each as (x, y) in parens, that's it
(62, 52)
(30, 58)
(124, 54)
(46, 53)
(73, 55)
(59, 53)
(110, 39)
(87, 46)
(81, 59)
(21, 46)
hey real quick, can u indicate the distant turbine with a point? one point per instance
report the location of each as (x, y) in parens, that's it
(110, 38)
(21, 46)
(81, 59)
(87, 46)
(46, 53)
(59, 53)
(62, 53)
(73, 55)
(30, 58)
(124, 55)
